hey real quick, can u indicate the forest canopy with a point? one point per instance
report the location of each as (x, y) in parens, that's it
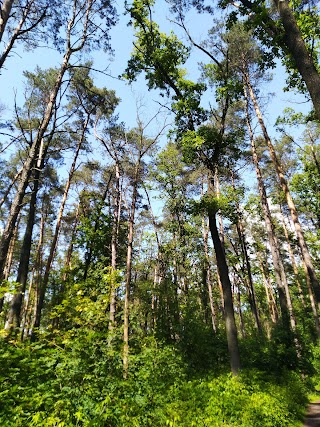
(159, 253)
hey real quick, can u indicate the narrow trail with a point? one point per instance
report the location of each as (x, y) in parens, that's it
(313, 415)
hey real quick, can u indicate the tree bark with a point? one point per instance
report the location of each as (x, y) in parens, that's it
(299, 53)
(13, 321)
(269, 291)
(208, 275)
(54, 242)
(231, 328)
(293, 44)
(32, 294)
(9, 259)
(294, 214)
(35, 146)
(244, 249)
(129, 270)
(114, 244)
(281, 280)
(4, 15)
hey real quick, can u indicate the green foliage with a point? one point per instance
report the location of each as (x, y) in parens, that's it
(84, 303)
(78, 382)
(156, 53)
(160, 57)
(248, 400)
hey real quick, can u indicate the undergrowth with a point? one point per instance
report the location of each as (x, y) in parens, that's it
(74, 385)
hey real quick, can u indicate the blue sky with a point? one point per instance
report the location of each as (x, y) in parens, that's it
(11, 78)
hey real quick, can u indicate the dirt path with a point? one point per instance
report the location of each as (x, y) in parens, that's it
(313, 415)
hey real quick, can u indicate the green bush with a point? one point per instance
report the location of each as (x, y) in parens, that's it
(79, 383)
(248, 400)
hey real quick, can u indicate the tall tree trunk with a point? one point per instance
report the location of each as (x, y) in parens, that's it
(23, 269)
(294, 214)
(231, 328)
(237, 293)
(53, 247)
(9, 259)
(297, 48)
(218, 193)
(281, 280)
(269, 291)
(32, 291)
(35, 146)
(208, 275)
(67, 264)
(243, 245)
(13, 321)
(114, 244)
(248, 277)
(292, 259)
(129, 270)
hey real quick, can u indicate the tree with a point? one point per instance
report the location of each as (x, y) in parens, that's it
(289, 34)
(79, 34)
(30, 23)
(160, 56)
(87, 100)
(138, 145)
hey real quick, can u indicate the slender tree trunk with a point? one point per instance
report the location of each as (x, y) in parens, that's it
(129, 271)
(25, 174)
(154, 301)
(23, 269)
(281, 280)
(67, 264)
(231, 328)
(9, 259)
(248, 277)
(218, 193)
(294, 214)
(32, 298)
(208, 275)
(243, 244)
(54, 242)
(237, 292)
(13, 321)
(114, 244)
(292, 259)
(269, 292)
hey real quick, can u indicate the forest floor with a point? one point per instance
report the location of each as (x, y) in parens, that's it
(313, 415)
